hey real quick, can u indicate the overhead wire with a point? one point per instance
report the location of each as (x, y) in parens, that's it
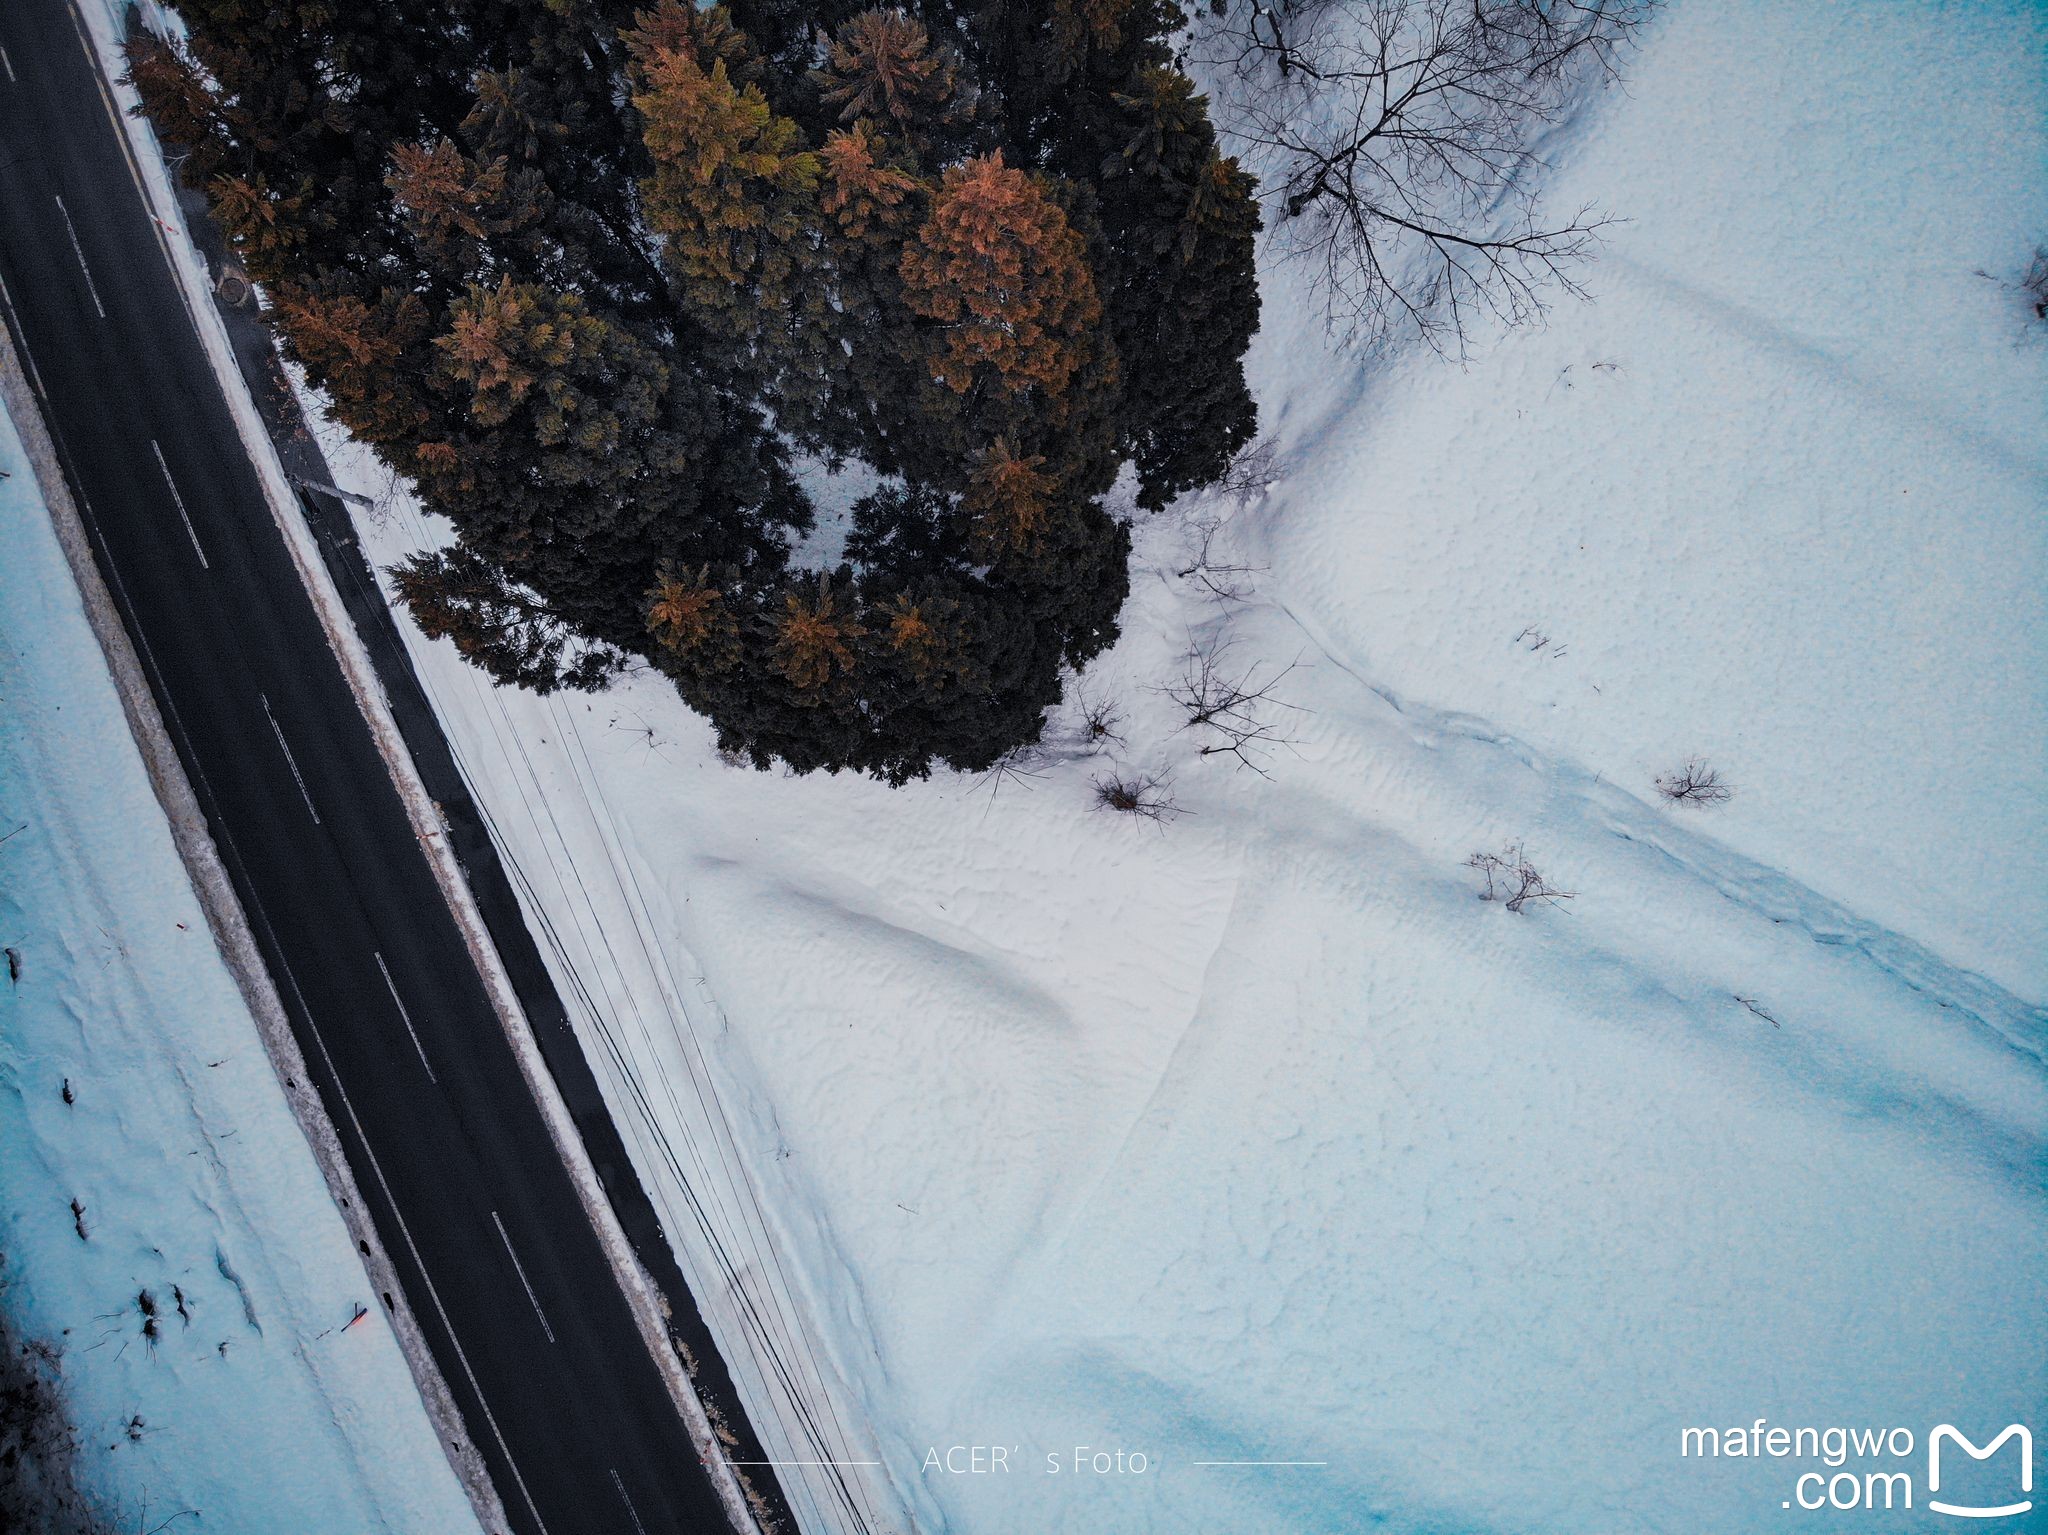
(773, 1325)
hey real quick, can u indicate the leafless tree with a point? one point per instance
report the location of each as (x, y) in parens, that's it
(1101, 722)
(1208, 567)
(1513, 880)
(1252, 473)
(1148, 796)
(1696, 784)
(1020, 765)
(2036, 282)
(1399, 142)
(1235, 709)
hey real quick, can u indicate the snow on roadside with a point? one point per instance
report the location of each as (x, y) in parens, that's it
(255, 1405)
(1255, 1136)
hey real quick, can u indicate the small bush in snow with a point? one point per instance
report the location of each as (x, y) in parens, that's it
(1146, 796)
(1252, 473)
(1211, 569)
(1513, 880)
(1101, 722)
(2032, 285)
(1696, 784)
(38, 1444)
(1235, 707)
(152, 1330)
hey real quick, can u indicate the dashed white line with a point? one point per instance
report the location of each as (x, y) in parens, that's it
(256, 910)
(21, 347)
(399, 1003)
(520, 1269)
(289, 760)
(79, 251)
(631, 1512)
(4, 59)
(92, 63)
(190, 532)
(405, 1231)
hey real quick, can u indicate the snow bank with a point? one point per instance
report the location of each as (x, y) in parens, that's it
(257, 1407)
(982, 1117)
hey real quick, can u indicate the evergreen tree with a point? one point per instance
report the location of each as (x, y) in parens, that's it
(372, 357)
(1180, 226)
(733, 187)
(882, 68)
(1009, 503)
(990, 249)
(1004, 276)
(507, 631)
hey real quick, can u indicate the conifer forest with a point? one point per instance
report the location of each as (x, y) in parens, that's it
(598, 279)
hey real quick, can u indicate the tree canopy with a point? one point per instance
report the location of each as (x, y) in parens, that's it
(596, 279)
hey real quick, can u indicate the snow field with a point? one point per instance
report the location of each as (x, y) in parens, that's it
(1774, 498)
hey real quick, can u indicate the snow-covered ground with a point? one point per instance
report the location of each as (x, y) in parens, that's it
(986, 1118)
(1776, 498)
(175, 1169)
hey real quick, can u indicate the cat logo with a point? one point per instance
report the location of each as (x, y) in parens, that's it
(1948, 1431)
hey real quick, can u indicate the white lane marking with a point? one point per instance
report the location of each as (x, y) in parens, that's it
(390, 1200)
(92, 64)
(255, 910)
(399, 1002)
(190, 532)
(290, 761)
(21, 346)
(631, 1512)
(404, 1230)
(4, 59)
(79, 251)
(520, 1269)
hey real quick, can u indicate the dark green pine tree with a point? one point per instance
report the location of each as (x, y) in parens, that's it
(506, 630)
(1180, 229)
(986, 246)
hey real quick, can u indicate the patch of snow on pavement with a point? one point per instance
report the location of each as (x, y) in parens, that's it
(256, 1405)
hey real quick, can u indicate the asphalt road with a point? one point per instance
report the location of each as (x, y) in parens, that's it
(499, 1259)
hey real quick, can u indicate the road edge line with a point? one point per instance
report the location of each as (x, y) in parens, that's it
(233, 937)
(642, 1297)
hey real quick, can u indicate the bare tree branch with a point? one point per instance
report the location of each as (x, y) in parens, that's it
(1233, 708)
(1252, 473)
(1220, 577)
(1696, 784)
(1148, 796)
(1513, 880)
(1398, 140)
(1101, 722)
